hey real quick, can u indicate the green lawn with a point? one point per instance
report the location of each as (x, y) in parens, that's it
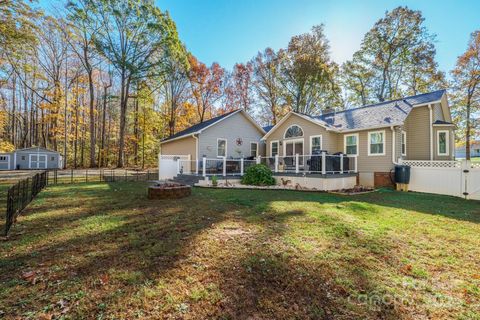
(101, 251)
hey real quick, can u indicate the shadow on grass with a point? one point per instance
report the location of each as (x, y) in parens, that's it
(117, 246)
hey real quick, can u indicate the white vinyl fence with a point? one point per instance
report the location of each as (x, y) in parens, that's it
(168, 165)
(454, 178)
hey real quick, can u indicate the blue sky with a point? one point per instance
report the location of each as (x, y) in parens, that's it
(234, 31)
(231, 31)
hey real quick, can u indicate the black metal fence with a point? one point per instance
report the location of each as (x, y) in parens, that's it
(19, 196)
(22, 192)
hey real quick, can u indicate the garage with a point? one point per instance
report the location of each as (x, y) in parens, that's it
(5, 162)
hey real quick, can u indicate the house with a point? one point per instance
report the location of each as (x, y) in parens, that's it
(35, 158)
(379, 135)
(461, 153)
(232, 135)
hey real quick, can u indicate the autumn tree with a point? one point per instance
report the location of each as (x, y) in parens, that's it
(309, 76)
(268, 87)
(238, 89)
(396, 58)
(205, 86)
(83, 28)
(466, 85)
(132, 36)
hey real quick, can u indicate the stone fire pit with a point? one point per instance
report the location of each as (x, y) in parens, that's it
(168, 190)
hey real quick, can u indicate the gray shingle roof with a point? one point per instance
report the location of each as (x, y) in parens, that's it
(376, 115)
(199, 126)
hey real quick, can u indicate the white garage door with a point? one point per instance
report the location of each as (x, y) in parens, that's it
(4, 162)
(38, 161)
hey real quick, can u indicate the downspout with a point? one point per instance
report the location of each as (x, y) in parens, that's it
(393, 145)
(196, 149)
(431, 131)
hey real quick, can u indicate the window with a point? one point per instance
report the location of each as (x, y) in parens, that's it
(273, 148)
(221, 147)
(52, 158)
(3, 158)
(253, 149)
(404, 143)
(315, 144)
(23, 157)
(351, 144)
(442, 143)
(376, 140)
(293, 131)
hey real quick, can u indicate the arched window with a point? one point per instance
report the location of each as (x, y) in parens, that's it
(293, 131)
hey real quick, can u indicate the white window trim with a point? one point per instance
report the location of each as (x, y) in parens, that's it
(226, 143)
(256, 149)
(345, 143)
(38, 162)
(294, 125)
(404, 139)
(321, 142)
(447, 143)
(271, 147)
(383, 142)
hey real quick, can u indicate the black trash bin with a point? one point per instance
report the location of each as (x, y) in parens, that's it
(346, 162)
(402, 174)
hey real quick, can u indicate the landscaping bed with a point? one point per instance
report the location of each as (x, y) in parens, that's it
(101, 251)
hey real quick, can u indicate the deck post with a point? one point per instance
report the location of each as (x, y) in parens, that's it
(276, 163)
(259, 159)
(356, 164)
(241, 166)
(224, 166)
(324, 162)
(178, 165)
(341, 162)
(196, 167)
(296, 163)
(204, 166)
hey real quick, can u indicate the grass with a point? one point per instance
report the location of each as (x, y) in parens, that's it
(102, 251)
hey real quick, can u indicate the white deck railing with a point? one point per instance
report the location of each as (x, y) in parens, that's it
(321, 164)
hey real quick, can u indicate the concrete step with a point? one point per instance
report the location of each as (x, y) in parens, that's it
(187, 179)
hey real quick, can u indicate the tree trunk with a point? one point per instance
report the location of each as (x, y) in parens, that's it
(125, 83)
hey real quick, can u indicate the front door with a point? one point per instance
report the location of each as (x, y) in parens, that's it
(291, 149)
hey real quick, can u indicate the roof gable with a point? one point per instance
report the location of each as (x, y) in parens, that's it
(199, 127)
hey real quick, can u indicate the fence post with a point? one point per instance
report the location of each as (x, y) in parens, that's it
(126, 174)
(224, 166)
(276, 163)
(324, 162)
(241, 166)
(86, 175)
(341, 162)
(296, 163)
(71, 175)
(204, 167)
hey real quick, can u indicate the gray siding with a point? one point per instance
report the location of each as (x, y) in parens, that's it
(231, 128)
(21, 159)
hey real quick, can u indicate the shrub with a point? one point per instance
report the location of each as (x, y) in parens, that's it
(258, 175)
(214, 181)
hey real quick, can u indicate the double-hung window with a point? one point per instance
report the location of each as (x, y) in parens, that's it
(221, 147)
(273, 148)
(376, 143)
(253, 149)
(351, 144)
(442, 143)
(315, 144)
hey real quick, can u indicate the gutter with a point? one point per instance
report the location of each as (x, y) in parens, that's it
(196, 146)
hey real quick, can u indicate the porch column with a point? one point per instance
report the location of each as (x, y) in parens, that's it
(276, 163)
(296, 163)
(324, 162)
(341, 163)
(241, 166)
(204, 167)
(224, 166)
